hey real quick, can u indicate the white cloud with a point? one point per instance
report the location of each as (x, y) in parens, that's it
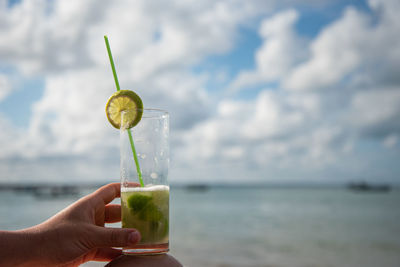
(270, 118)
(145, 37)
(350, 47)
(264, 131)
(10, 138)
(335, 53)
(5, 87)
(70, 117)
(281, 50)
(375, 112)
(391, 140)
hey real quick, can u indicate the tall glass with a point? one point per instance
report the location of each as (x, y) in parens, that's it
(144, 183)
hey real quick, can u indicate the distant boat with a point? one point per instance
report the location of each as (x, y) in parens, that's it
(365, 187)
(197, 187)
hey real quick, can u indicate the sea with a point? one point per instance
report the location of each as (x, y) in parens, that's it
(258, 226)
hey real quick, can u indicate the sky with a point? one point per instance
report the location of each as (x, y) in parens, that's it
(257, 91)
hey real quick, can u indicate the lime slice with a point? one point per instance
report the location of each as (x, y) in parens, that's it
(124, 100)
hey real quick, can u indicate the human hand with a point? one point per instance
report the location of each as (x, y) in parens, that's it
(77, 234)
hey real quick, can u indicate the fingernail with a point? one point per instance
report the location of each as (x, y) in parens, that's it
(134, 237)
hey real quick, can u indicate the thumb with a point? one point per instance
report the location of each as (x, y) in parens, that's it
(115, 237)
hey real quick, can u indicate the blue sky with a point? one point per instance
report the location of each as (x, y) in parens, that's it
(271, 91)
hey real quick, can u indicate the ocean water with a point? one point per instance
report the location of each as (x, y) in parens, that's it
(224, 227)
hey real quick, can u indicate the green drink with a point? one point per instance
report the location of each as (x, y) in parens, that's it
(144, 180)
(147, 210)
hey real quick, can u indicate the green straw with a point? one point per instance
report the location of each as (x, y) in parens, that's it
(129, 131)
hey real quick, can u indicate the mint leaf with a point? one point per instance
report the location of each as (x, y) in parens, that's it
(138, 202)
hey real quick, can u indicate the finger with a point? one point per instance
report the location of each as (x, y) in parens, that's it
(112, 213)
(108, 192)
(113, 237)
(106, 254)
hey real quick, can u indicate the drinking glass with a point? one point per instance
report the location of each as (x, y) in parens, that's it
(144, 180)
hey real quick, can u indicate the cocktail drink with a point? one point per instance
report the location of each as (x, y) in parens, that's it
(147, 210)
(144, 146)
(144, 186)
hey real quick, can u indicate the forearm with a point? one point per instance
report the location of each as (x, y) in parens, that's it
(19, 248)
